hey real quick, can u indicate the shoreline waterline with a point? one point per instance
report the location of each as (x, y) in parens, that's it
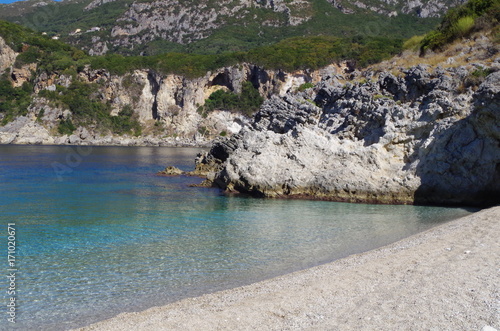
(424, 280)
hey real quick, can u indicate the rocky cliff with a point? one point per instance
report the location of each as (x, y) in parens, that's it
(166, 106)
(426, 134)
(7, 56)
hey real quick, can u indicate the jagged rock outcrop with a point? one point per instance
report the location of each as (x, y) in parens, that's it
(432, 8)
(423, 9)
(97, 3)
(7, 56)
(416, 137)
(174, 99)
(23, 74)
(171, 171)
(25, 130)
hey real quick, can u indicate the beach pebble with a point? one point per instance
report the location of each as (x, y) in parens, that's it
(488, 328)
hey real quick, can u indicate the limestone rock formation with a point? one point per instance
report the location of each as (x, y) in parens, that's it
(167, 106)
(415, 136)
(7, 56)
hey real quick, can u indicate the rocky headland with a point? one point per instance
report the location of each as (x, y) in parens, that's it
(394, 133)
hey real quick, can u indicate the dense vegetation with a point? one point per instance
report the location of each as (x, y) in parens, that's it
(81, 98)
(475, 15)
(247, 102)
(88, 110)
(13, 101)
(50, 55)
(290, 54)
(317, 52)
(65, 16)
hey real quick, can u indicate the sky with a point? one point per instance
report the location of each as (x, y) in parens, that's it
(7, 1)
(11, 1)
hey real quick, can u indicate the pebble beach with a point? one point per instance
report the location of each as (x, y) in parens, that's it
(446, 278)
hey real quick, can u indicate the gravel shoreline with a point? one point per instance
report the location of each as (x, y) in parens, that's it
(446, 278)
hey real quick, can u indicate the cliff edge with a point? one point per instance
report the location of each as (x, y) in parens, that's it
(428, 133)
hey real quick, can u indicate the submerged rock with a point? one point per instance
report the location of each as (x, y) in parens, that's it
(171, 171)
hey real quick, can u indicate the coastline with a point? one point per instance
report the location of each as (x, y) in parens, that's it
(444, 278)
(114, 141)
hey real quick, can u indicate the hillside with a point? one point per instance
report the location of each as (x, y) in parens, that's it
(154, 27)
(173, 95)
(51, 92)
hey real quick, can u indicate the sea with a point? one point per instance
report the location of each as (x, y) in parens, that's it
(88, 232)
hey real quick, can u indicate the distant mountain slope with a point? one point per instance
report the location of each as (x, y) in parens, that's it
(152, 27)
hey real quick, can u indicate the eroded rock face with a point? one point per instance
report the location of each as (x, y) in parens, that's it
(167, 106)
(462, 162)
(7, 56)
(174, 100)
(431, 8)
(406, 139)
(21, 75)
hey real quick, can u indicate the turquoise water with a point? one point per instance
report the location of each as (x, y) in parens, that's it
(98, 233)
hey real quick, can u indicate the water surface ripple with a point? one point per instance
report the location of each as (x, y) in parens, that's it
(98, 233)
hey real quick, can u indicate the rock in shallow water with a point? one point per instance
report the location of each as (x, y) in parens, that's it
(171, 171)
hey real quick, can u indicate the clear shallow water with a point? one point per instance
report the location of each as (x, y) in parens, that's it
(98, 233)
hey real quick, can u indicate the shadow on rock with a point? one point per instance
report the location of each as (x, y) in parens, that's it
(462, 164)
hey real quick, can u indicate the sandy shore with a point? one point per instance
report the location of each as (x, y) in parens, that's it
(447, 278)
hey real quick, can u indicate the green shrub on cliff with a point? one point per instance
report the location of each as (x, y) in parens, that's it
(463, 26)
(413, 43)
(476, 77)
(247, 102)
(14, 101)
(126, 122)
(49, 54)
(66, 126)
(83, 100)
(14, 34)
(459, 22)
(316, 52)
(305, 86)
(30, 55)
(222, 100)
